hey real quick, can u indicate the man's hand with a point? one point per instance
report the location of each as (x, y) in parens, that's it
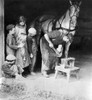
(21, 45)
(31, 55)
(51, 45)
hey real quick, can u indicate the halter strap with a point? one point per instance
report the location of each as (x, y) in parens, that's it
(69, 30)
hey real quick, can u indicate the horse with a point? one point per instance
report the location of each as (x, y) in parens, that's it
(66, 23)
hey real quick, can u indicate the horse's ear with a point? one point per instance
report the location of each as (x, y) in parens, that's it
(70, 2)
(80, 3)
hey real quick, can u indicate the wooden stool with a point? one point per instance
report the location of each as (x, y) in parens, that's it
(68, 61)
(67, 66)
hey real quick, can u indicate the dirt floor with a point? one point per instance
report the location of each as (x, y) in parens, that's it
(40, 88)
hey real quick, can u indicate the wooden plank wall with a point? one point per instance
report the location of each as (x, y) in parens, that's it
(1, 33)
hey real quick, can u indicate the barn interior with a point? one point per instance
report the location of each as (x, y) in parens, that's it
(82, 43)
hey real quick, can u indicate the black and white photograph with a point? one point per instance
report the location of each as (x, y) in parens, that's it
(45, 49)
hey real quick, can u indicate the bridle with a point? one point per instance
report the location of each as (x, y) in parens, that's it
(69, 30)
(74, 14)
(70, 21)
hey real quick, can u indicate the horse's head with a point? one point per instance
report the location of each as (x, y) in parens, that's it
(74, 8)
(74, 11)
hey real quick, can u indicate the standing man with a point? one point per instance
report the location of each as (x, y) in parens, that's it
(32, 48)
(51, 48)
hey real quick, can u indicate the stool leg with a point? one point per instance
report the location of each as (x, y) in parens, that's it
(68, 76)
(56, 72)
(77, 74)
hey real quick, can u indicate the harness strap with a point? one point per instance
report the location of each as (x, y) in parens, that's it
(69, 30)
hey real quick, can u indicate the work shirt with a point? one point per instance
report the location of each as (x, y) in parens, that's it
(32, 45)
(11, 45)
(56, 37)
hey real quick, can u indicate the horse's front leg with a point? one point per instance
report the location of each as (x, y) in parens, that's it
(67, 46)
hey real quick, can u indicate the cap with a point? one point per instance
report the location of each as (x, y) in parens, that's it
(9, 27)
(32, 31)
(10, 57)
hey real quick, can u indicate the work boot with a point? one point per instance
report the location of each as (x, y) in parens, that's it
(32, 73)
(44, 73)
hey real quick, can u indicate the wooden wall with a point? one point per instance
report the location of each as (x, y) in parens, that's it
(1, 33)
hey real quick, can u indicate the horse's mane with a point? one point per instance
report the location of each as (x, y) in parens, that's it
(53, 17)
(61, 14)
